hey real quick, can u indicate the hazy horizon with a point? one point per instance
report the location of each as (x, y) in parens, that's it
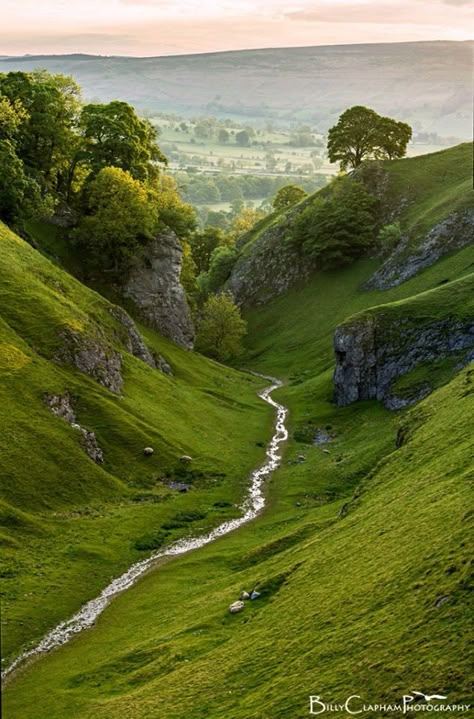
(153, 28)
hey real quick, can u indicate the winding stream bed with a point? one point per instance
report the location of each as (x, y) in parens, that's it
(252, 505)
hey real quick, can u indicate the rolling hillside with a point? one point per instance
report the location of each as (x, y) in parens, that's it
(427, 84)
(361, 557)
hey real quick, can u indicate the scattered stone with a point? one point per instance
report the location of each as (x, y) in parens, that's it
(179, 486)
(321, 437)
(186, 459)
(301, 458)
(441, 600)
(326, 451)
(148, 451)
(236, 607)
(244, 595)
(89, 442)
(255, 595)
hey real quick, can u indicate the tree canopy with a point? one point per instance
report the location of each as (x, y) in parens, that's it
(288, 196)
(361, 134)
(220, 328)
(116, 137)
(339, 226)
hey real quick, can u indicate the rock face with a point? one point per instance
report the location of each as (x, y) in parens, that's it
(134, 342)
(453, 233)
(61, 406)
(92, 356)
(154, 286)
(267, 267)
(371, 354)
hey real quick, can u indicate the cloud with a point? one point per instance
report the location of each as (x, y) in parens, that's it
(379, 13)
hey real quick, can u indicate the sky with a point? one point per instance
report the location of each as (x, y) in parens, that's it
(168, 27)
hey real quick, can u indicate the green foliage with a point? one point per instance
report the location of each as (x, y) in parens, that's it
(120, 218)
(222, 261)
(220, 328)
(242, 138)
(19, 194)
(287, 197)
(362, 134)
(45, 137)
(338, 227)
(175, 214)
(115, 136)
(203, 243)
(389, 236)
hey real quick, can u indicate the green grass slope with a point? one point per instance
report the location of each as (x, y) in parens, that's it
(361, 555)
(69, 524)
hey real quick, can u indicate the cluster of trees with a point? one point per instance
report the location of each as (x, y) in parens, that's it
(202, 188)
(100, 160)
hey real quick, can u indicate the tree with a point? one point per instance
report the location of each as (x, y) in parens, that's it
(45, 140)
(120, 218)
(221, 328)
(116, 137)
(287, 197)
(394, 138)
(244, 222)
(242, 138)
(362, 134)
(223, 136)
(221, 263)
(338, 227)
(20, 195)
(179, 216)
(203, 243)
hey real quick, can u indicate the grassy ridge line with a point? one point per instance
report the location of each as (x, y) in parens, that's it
(69, 525)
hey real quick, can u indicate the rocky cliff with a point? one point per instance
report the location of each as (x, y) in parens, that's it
(453, 233)
(267, 266)
(155, 288)
(376, 348)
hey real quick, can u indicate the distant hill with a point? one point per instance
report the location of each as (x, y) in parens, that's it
(426, 83)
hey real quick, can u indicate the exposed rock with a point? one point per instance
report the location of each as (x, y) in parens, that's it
(148, 451)
(93, 357)
(244, 596)
(89, 442)
(236, 607)
(255, 595)
(372, 353)
(321, 437)
(453, 233)
(133, 340)
(61, 406)
(301, 458)
(267, 266)
(179, 486)
(154, 285)
(186, 459)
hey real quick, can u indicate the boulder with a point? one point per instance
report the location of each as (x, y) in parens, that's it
(255, 595)
(244, 596)
(185, 459)
(148, 451)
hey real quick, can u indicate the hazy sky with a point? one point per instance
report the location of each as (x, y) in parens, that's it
(158, 27)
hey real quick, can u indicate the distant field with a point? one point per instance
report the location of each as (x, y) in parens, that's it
(425, 83)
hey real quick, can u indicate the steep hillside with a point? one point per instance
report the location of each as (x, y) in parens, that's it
(309, 84)
(363, 587)
(81, 502)
(430, 196)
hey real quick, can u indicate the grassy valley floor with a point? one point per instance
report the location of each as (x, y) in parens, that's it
(361, 556)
